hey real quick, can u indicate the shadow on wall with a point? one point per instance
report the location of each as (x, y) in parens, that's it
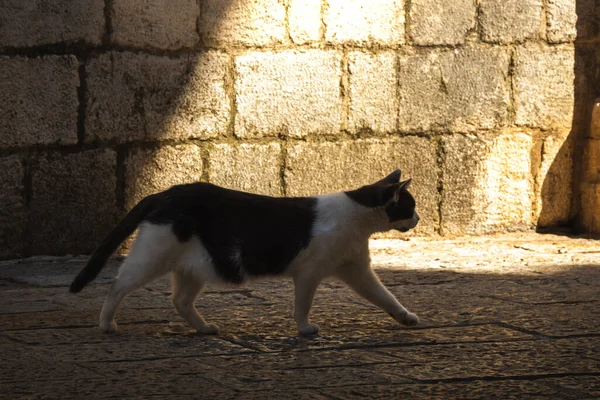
(157, 79)
(561, 161)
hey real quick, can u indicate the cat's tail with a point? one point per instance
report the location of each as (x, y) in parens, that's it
(111, 242)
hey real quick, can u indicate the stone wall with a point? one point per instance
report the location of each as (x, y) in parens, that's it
(105, 101)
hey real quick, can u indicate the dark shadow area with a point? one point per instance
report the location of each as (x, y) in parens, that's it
(494, 335)
(555, 196)
(134, 100)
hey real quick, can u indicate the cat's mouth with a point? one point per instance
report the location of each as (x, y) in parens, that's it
(403, 230)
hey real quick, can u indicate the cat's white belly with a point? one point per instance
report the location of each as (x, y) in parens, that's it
(196, 261)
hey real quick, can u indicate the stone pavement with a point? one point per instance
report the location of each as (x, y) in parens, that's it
(507, 316)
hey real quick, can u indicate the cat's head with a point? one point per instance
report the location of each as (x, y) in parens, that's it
(390, 195)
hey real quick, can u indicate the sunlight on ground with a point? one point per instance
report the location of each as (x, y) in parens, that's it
(518, 253)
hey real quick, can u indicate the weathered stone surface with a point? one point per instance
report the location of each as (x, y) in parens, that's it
(505, 21)
(460, 90)
(439, 22)
(12, 212)
(492, 359)
(73, 201)
(561, 21)
(505, 316)
(38, 23)
(570, 19)
(590, 207)
(38, 100)
(515, 303)
(305, 20)
(487, 183)
(473, 388)
(554, 180)
(595, 120)
(363, 22)
(373, 94)
(543, 86)
(143, 97)
(317, 168)
(155, 23)
(291, 93)
(242, 22)
(150, 171)
(254, 168)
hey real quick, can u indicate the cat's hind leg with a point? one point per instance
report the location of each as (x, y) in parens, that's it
(363, 281)
(185, 291)
(146, 262)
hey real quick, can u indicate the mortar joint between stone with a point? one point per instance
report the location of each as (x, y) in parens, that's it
(323, 24)
(108, 26)
(120, 179)
(283, 167)
(230, 81)
(345, 91)
(81, 97)
(407, 21)
(440, 161)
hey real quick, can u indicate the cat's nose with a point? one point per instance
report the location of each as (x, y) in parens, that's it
(416, 217)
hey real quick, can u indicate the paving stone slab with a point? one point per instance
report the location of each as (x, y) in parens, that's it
(507, 389)
(142, 348)
(461, 361)
(137, 387)
(504, 316)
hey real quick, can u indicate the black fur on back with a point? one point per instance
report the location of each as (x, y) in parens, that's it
(261, 233)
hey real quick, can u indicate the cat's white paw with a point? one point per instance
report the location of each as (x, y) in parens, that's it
(309, 329)
(108, 327)
(208, 329)
(410, 319)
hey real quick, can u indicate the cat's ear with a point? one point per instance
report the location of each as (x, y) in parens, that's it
(392, 178)
(390, 192)
(404, 185)
(400, 187)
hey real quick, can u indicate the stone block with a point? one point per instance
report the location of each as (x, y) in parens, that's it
(592, 161)
(38, 100)
(242, 22)
(506, 21)
(254, 168)
(290, 93)
(305, 20)
(373, 92)
(487, 183)
(13, 216)
(144, 97)
(441, 22)
(73, 201)
(38, 23)
(595, 120)
(567, 20)
(155, 23)
(554, 180)
(363, 22)
(462, 89)
(590, 207)
(318, 168)
(543, 86)
(561, 21)
(151, 171)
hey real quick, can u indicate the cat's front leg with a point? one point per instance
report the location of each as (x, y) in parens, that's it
(305, 288)
(363, 280)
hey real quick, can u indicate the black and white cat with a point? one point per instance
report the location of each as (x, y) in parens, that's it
(205, 234)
